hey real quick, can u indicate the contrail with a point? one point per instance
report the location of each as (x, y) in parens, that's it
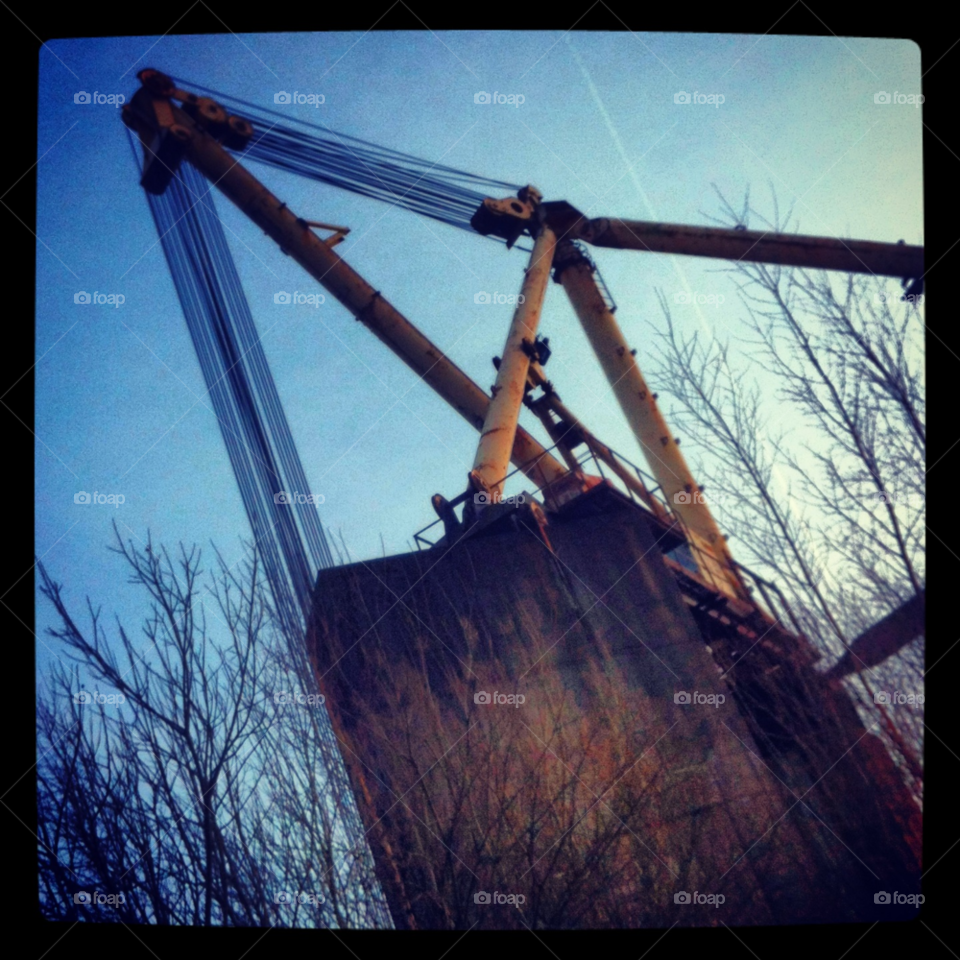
(707, 329)
(633, 176)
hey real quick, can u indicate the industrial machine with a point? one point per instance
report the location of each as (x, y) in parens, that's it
(733, 609)
(176, 125)
(201, 131)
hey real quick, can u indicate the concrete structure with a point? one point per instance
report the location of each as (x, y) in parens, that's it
(599, 799)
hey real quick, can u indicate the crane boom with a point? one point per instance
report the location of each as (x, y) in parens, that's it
(496, 438)
(200, 131)
(158, 122)
(638, 402)
(511, 217)
(755, 246)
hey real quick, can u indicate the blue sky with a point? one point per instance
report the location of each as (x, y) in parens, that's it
(121, 406)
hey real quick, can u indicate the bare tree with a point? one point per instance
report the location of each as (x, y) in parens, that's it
(194, 779)
(827, 498)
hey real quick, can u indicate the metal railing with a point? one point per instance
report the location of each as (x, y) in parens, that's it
(642, 489)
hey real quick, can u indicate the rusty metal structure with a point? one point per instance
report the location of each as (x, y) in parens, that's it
(777, 799)
(584, 588)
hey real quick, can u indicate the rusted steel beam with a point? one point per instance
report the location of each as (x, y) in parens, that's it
(490, 466)
(885, 638)
(755, 246)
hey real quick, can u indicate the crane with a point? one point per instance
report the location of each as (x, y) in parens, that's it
(564, 225)
(176, 125)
